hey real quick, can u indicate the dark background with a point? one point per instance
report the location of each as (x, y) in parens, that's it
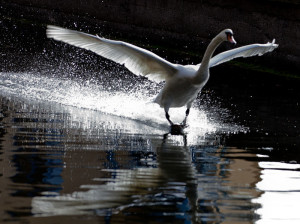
(185, 24)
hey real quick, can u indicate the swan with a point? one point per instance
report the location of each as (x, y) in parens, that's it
(182, 82)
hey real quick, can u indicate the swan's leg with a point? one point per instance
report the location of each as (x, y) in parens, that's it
(168, 118)
(187, 112)
(167, 115)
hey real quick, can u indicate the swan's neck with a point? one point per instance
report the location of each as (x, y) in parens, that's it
(202, 74)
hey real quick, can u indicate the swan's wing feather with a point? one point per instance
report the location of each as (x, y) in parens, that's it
(245, 51)
(139, 61)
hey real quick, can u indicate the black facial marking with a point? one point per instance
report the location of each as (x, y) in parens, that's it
(229, 34)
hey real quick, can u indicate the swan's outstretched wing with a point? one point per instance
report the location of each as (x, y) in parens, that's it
(139, 61)
(245, 51)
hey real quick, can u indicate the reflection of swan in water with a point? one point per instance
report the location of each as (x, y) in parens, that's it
(182, 82)
(176, 164)
(129, 187)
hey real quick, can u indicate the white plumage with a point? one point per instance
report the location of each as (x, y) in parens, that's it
(183, 82)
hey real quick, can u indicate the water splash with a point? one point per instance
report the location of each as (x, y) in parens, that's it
(135, 106)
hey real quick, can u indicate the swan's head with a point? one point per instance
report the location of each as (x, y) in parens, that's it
(227, 35)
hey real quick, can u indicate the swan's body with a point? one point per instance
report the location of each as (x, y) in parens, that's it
(183, 83)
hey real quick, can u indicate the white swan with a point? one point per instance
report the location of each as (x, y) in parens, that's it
(183, 82)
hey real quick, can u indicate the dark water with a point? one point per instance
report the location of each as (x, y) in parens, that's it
(80, 143)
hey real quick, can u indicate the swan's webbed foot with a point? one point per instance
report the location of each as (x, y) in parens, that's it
(177, 129)
(183, 123)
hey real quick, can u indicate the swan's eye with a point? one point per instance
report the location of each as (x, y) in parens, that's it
(229, 34)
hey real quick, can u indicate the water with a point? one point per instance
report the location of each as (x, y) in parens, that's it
(82, 143)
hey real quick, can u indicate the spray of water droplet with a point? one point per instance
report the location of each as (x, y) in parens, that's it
(135, 105)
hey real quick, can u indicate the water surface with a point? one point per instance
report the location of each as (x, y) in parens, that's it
(81, 142)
